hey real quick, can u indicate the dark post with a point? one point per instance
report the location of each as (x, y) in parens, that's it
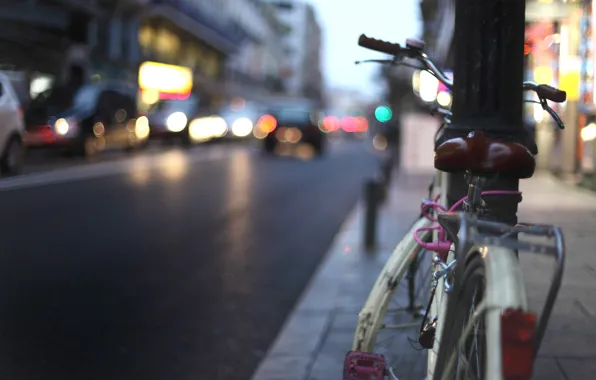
(372, 189)
(488, 74)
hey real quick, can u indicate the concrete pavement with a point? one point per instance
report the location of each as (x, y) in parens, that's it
(315, 338)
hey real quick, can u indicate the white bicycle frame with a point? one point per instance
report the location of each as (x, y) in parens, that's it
(504, 289)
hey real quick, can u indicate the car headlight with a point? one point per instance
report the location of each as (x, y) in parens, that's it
(142, 128)
(63, 126)
(176, 122)
(206, 128)
(242, 127)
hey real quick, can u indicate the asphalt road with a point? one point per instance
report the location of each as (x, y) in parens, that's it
(177, 265)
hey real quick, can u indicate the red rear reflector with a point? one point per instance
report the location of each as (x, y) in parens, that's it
(518, 330)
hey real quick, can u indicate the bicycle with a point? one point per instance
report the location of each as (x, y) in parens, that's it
(463, 233)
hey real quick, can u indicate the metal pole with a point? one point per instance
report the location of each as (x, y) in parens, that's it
(487, 93)
(372, 190)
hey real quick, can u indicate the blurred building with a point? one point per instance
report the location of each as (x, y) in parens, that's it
(260, 65)
(189, 35)
(215, 49)
(112, 44)
(438, 26)
(45, 39)
(303, 41)
(344, 102)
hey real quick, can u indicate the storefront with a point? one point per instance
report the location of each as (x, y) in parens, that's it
(170, 37)
(553, 58)
(586, 139)
(159, 81)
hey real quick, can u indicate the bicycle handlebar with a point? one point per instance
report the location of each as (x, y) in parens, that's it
(413, 50)
(379, 45)
(546, 91)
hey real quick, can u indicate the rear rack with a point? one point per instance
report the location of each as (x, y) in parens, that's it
(465, 230)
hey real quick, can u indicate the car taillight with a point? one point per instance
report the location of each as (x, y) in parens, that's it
(518, 330)
(267, 123)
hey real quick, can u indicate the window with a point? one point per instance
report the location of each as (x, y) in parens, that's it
(287, 6)
(85, 97)
(187, 106)
(292, 115)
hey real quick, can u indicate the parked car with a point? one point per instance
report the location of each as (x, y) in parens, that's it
(86, 120)
(11, 129)
(290, 123)
(170, 119)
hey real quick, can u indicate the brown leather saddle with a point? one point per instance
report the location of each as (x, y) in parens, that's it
(485, 157)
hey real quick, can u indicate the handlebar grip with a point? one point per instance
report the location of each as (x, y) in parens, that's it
(551, 93)
(379, 45)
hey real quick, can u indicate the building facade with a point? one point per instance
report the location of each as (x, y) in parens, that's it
(260, 65)
(231, 47)
(438, 26)
(303, 48)
(191, 34)
(45, 39)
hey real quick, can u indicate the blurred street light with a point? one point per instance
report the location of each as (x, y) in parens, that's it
(383, 114)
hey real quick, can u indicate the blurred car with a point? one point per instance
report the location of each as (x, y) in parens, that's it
(170, 119)
(292, 123)
(11, 129)
(85, 121)
(241, 118)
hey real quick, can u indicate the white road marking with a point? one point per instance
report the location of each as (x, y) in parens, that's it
(103, 169)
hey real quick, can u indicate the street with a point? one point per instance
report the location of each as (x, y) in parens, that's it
(170, 265)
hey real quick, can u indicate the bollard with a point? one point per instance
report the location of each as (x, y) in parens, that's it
(384, 175)
(372, 192)
(387, 169)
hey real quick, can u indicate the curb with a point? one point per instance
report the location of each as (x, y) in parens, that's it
(294, 351)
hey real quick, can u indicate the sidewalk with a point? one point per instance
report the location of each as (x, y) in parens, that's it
(318, 334)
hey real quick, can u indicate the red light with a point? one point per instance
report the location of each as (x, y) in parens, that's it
(331, 123)
(171, 96)
(267, 123)
(361, 124)
(518, 330)
(527, 49)
(348, 124)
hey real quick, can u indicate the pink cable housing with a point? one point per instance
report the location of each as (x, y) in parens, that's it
(442, 246)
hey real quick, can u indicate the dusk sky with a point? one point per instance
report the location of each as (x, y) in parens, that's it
(343, 21)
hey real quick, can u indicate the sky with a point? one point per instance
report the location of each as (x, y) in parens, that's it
(342, 22)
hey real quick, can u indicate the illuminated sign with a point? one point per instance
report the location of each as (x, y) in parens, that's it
(163, 78)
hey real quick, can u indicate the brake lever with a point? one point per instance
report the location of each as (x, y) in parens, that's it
(375, 61)
(397, 60)
(552, 113)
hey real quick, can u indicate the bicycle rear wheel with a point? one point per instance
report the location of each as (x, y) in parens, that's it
(470, 347)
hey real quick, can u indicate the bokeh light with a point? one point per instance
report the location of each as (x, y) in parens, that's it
(383, 114)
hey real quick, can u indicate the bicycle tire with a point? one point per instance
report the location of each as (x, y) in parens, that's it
(503, 288)
(375, 307)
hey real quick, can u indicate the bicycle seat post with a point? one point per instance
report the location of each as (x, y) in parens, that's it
(474, 203)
